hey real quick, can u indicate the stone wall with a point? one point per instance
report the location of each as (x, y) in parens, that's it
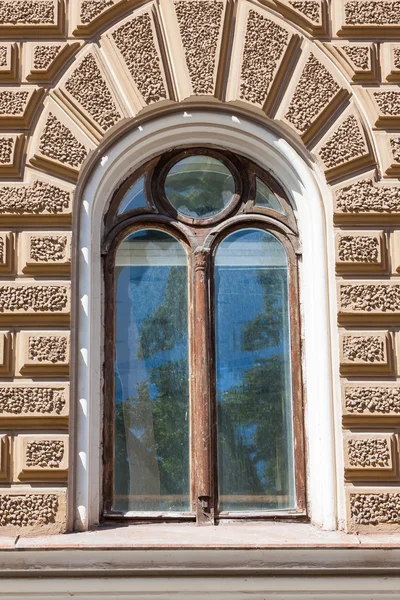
(323, 72)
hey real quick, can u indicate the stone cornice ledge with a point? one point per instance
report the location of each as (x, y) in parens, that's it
(231, 549)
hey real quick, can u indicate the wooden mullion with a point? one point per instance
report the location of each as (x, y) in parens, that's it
(201, 401)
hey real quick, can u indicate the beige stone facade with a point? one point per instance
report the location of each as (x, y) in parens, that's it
(324, 75)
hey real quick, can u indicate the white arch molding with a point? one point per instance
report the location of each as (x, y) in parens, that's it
(312, 202)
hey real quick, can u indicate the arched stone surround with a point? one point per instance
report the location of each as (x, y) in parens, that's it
(287, 64)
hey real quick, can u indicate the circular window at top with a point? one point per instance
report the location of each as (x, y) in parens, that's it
(199, 186)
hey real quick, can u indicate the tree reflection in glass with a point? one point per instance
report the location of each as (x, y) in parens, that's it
(253, 373)
(151, 375)
(199, 186)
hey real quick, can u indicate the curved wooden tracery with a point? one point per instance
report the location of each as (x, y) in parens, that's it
(201, 239)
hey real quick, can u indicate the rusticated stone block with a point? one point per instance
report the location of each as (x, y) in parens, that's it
(389, 146)
(366, 18)
(369, 352)
(43, 61)
(45, 252)
(39, 457)
(30, 512)
(344, 148)
(86, 90)
(374, 401)
(358, 59)
(369, 456)
(310, 15)
(390, 62)
(316, 94)
(18, 105)
(134, 49)
(87, 17)
(200, 25)
(262, 51)
(4, 458)
(43, 352)
(90, 9)
(395, 247)
(6, 353)
(7, 251)
(136, 41)
(383, 105)
(31, 302)
(60, 145)
(371, 300)
(9, 62)
(41, 198)
(11, 153)
(364, 201)
(31, 18)
(24, 403)
(372, 509)
(360, 251)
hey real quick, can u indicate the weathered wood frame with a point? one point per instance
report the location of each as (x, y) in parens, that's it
(200, 238)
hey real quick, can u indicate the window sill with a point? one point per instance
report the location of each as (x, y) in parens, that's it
(227, 535)
(175, 550)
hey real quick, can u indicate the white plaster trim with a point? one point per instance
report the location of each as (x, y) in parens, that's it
(318, 303)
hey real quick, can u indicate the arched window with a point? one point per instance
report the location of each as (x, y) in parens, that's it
(203, 404)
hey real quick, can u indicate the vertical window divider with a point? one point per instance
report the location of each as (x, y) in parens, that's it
(202, 400)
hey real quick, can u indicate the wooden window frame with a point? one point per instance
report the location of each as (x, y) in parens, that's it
(201, 238)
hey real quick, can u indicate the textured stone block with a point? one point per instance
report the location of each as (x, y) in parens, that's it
(43, 61)
(11, 154)
(32, 511)
(134, 49)
(31, 18)
(6, 353)
(7, 252)
(360, 251)
(27, 403)
(311, 15)
(4, 457)
(359, 60)
(18, 106)
(344, 148)
(39, 199)
(38, 457)
(363, 200)
(369, 352)
(373, 509)
(389, 149)
(262, 51)
(87, 93)
(372, 301)
(34, 302)
(383, 106)
(395, 248)
(390, 62)
(48, 252)
(9, 62)
(370, 455)
(89, 16)
(42, 352)
(366, 18)
(371, 402)
(313, 95)
(59, 145)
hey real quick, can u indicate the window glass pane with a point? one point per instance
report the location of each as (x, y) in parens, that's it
(199, 186)
(151, 375)
(254, 406)
(265, 197)
(134, 197)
